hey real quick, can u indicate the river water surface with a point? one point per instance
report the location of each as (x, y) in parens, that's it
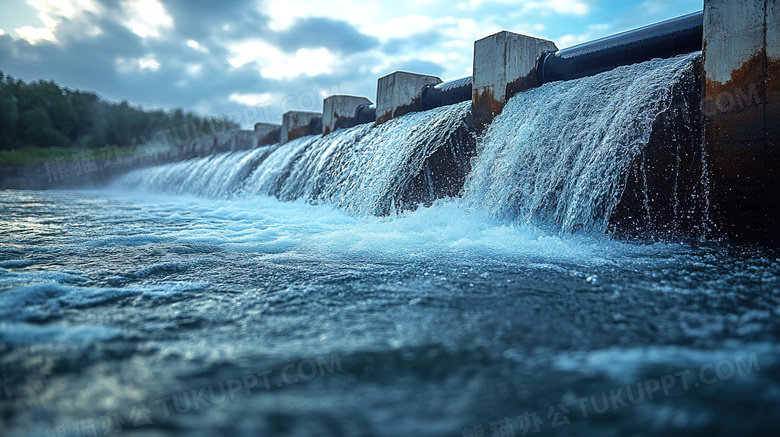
(162, 315)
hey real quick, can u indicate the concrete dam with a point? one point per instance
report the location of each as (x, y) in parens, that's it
(666, 130)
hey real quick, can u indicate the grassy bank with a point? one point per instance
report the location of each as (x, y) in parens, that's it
(35, 155)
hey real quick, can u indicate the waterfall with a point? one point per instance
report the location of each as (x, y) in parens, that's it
(215, 176)
(369, 170)
(559, 156)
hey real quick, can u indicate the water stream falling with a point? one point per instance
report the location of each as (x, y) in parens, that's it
(365, 170)
(559, 155)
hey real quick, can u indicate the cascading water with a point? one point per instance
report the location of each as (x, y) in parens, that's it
(366, 169)
(212, 176)
(559, 155)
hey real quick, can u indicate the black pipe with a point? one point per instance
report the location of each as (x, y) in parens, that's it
(666, 39)
(446, 93)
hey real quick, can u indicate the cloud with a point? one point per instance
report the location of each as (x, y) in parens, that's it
(563, 7)
(414, 65)
(196, 46)
(318, 32)
(404, 27)
(128, 66)
(654, 6)
(146, 18)
(412, 43)
(252, 99)
(212, 57)
(273, 63)
(594, 31)
(52, 13)
(190, 58)
(206, 20)
(362, 14)
(35, 34)
(216, 56)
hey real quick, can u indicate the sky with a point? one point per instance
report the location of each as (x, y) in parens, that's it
(264, 57)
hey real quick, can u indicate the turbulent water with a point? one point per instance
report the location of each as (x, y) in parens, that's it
(364, 170)
(278, 292)
(560, 155)
(152, 309)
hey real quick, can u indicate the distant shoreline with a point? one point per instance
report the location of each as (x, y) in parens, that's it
(90, 168)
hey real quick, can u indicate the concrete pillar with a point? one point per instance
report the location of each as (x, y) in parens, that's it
(773, 70)
(503, 61)
(297, 124)
(267, 133)
(243, 140)
(399, 93)
(339, 112)
(742, 118)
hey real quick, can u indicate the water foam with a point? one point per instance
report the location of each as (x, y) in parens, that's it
(365, 170)
(559, 155)
(444, 230)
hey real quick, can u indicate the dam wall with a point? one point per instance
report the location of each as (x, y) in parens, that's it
(741, 106)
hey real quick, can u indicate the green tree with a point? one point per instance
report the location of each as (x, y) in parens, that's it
(9, 116)
(36, 130)
(43, 114)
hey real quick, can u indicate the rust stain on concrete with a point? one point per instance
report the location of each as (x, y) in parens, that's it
(341, 122)
(530, 81)
(267, 140)
(384, 118)
(414, 106)
(485, 107)
(741, 137)
(752, 72)
(772, 113)
(298, 132)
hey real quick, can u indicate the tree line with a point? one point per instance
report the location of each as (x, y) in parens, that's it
(43, 114)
